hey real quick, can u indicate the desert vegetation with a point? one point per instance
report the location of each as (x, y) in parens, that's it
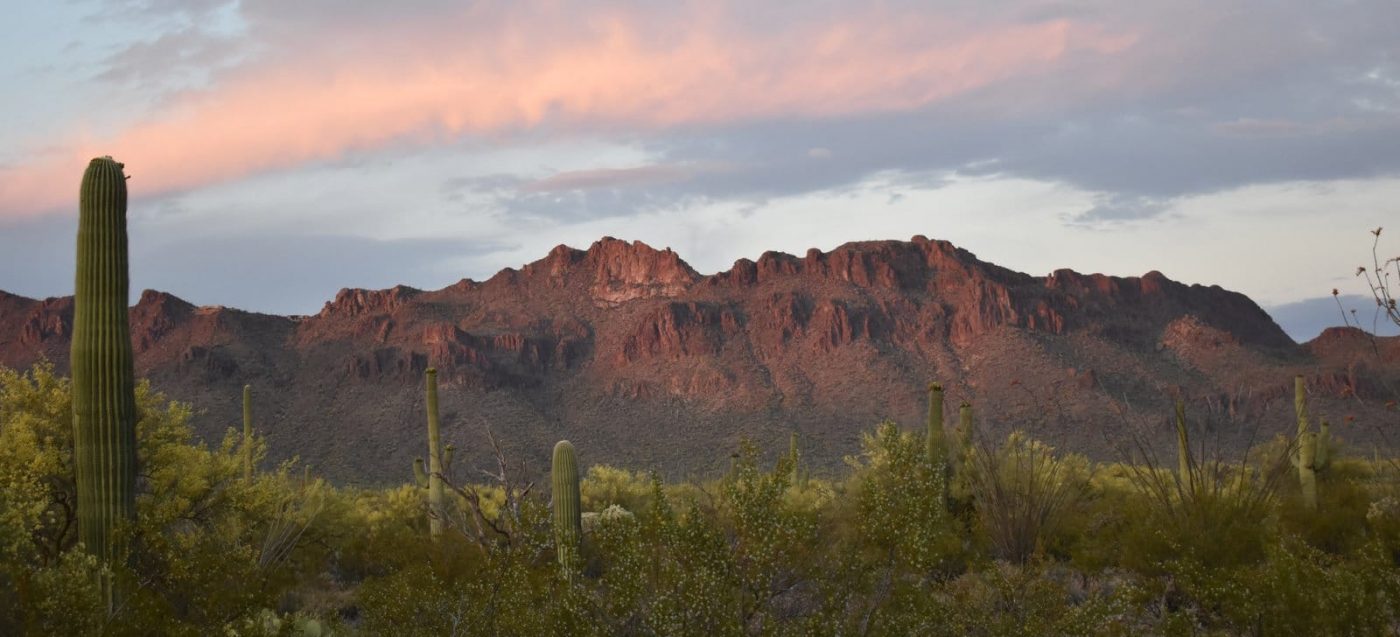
(935, 531)
(115, 520)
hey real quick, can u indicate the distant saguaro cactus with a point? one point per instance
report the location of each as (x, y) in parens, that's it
(795, 458)
(568, 516)
(961, 490)
(936, 443)
(104, 398)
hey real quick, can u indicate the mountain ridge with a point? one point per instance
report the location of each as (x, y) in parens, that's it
(630, 348)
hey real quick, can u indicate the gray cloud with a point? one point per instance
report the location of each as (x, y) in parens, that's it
(1119, 208)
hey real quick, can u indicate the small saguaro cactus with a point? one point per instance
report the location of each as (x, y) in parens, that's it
(795, 458)
(104, 395)
(965, 429)
(1324, 446)
(436, 512)
(936, 443)
(568, 517)
(1314, 452)
(961, 489)
(420, 475)
(247, 433)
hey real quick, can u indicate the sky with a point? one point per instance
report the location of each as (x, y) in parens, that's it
(280, 151)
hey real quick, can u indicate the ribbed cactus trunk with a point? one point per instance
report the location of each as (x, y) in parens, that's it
(247, 433)
(1183, 450)
(104, 398)
(568, 516)
(436, 512)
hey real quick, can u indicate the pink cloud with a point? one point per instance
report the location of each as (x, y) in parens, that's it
(362, 89)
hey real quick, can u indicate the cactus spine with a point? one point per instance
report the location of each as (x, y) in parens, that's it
(104, 398)
(436, 512)
(568, 517)
(247, 433)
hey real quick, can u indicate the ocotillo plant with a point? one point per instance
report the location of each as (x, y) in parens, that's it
(104, 398)
(436, 512)
(247, 433)
(1300, 403)
(568, 517)
(1183, 450)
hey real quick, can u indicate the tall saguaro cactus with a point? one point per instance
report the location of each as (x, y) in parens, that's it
(568, 516)
(247, 433)
(436, 512)
(104, 395)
